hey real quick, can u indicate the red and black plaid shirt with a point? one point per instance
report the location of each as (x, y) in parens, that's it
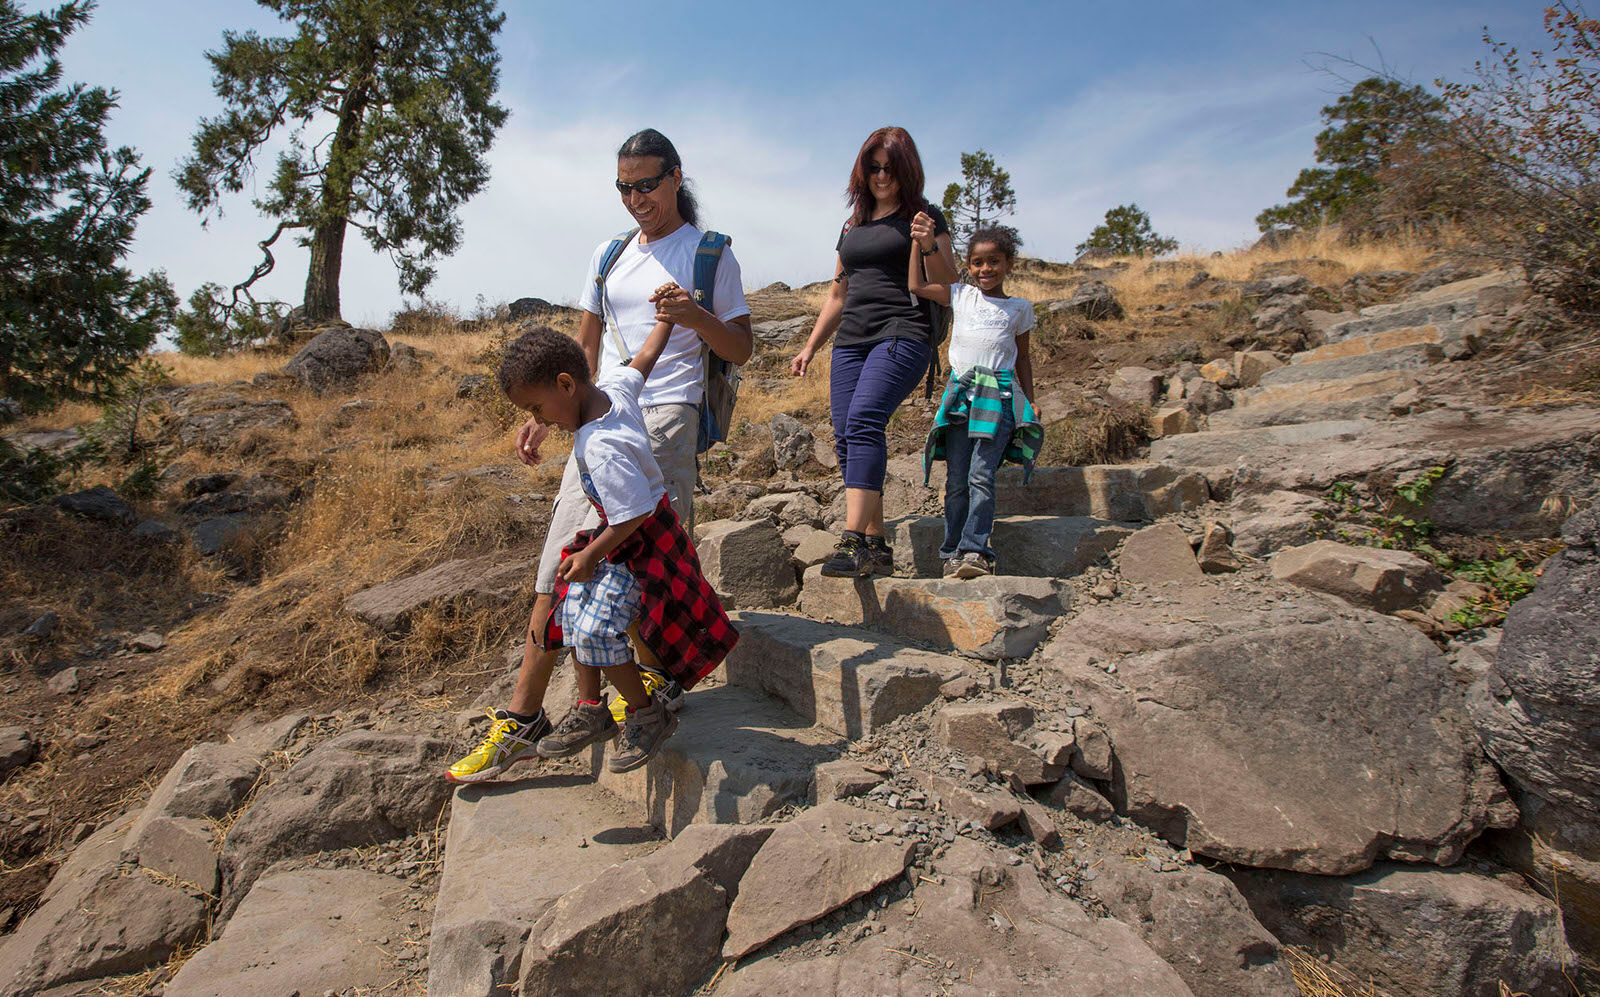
(681, 621)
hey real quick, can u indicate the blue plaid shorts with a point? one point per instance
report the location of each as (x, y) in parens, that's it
(596, 614)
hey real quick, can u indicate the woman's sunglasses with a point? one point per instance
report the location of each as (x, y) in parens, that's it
(645, 186)
(873, 169)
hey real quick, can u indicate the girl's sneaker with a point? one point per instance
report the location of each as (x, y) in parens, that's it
(952, 564)
(975, 565)
(508, 742)
(668, 690)
(850, 559)
(584, 724)
(642, 736)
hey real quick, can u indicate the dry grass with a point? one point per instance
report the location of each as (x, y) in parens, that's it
(1319, 979)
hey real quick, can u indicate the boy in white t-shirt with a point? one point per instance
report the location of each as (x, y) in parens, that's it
(985, 417)
(634, 567)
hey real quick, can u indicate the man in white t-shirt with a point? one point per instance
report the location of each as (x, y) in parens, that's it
(656, 194)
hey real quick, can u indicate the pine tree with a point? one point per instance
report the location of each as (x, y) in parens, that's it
(1367, 127)
(983, 196)
(1127, 232)
(71, 319)
(407, 87)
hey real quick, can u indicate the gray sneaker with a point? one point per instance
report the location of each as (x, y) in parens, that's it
(584, 724)
(642, 736)
(975, 565)
(952, 565)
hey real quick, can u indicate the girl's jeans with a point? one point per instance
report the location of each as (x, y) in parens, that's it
(969, 486)
(866, 384)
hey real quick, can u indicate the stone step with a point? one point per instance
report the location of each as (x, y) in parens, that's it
(738, 757)
(1448, 306)
(1362, 396)
(1269, 445)
(513, 849)
(1000, 616)
(1336, 368)
(842, 679)
(1034, 546)
(1294, 413)
(1126, 493)
(1379, 342)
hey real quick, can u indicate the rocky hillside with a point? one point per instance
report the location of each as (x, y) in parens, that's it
(1287, 683)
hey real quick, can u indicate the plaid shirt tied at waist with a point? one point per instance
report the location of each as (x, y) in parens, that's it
(681, 620)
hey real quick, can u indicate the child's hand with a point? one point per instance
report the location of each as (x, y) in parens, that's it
(577, 568)
(529, 437)
(674, 305)
(922, 230)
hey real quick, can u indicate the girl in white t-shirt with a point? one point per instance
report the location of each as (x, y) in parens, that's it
(985, 417)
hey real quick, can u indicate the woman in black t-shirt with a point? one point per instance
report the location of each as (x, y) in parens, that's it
(883, 335)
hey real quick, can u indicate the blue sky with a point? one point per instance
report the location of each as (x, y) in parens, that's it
(1202, 113)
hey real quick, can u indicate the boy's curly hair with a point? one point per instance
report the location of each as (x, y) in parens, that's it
(1004, 239)
(538, 356)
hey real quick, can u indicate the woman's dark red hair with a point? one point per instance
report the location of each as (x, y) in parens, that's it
(904, 164)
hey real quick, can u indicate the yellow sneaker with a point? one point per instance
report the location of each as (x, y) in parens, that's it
(507, 743)
(653, 684)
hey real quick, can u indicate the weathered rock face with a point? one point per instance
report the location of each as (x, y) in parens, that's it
(990, 731)
(462, 584)
(99, 918)
(1054, 949)
(1124, 493)
(310, 931)
(1418, 930)
(667, 910)
(217, 421)
(1235, 736)
(992, 617)
(100, 503)
(1263, 523)
(747, 564)
(1197, 921)
(1538, 709)
(513, 850)
(338, 355)
(1371, 577)
(807, 868)
(357, 789)
(792, 442)
(1158, 555)
(17, 748)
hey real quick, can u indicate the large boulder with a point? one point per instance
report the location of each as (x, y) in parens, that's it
(1538, 710)
(99, 917)
(747, 563)
(220, 421)
(792, 442)
(463, 584)
(1283, 730)
(1371, 577)
(809, 867)
(1196, 920)
(1419, 930)
(338, 355)
(98, 503)
(310, 931)
(359, 788)
(1092, 300)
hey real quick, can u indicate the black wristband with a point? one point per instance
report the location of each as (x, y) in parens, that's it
(929, 252)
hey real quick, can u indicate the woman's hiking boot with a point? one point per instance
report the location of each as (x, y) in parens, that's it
(850, 558)
(881, 555)
(642, 736)
(584, 724)
(508, 742)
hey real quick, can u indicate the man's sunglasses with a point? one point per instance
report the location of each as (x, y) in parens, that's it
(645, 186)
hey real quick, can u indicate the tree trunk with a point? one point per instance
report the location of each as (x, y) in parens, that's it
(322, 279)
(327, 237)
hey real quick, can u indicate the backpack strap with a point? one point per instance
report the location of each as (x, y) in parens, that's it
(608, 260)
(706, 259)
